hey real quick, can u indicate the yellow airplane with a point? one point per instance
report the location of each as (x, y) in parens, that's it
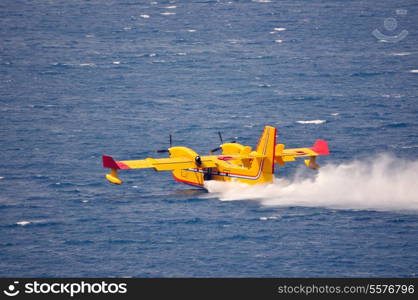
(236, 163)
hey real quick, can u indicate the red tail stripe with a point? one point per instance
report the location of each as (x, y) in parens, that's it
(109, 162)
(321, 147)
(122, 165)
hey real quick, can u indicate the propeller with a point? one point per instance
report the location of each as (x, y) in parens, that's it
(166, 150)
(222, 141)
(219, 147)
(220, 137)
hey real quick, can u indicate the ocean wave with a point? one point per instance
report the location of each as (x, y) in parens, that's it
(396, 125)
(367, 74)
(316, 122)
(23, 223)
(35, 222)
(400, 53)
(87, 65)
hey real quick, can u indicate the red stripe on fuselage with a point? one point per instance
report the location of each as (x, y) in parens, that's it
(186, 182)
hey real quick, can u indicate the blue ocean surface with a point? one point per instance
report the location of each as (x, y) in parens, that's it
(79, 79)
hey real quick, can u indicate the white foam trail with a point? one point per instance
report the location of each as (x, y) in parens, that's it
(279, 29)
(384, 183)
(145, 16)
(413, 71)
(167, 13)
(312, 122)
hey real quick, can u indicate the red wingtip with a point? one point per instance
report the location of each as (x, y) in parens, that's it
(109, 162)
(321, 147)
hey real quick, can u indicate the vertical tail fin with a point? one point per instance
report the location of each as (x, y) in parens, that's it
(266, 146)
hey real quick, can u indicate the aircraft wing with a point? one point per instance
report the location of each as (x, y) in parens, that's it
(172, 163)
(168, 164)
(158, 164)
